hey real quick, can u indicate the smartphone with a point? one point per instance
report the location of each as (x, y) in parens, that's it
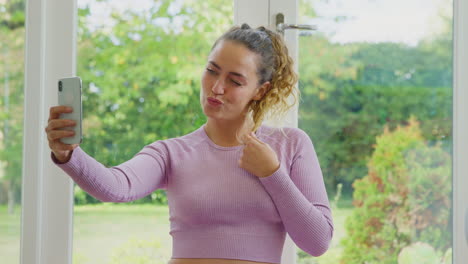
(69, 94)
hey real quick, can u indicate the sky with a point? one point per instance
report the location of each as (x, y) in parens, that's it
(404, 21)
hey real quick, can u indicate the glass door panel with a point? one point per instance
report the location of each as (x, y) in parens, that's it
(141, 64)
(376, 85)
(12, 32)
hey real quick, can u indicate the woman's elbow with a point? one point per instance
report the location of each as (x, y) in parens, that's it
(323, 245)
(111, 198)
(320, 249)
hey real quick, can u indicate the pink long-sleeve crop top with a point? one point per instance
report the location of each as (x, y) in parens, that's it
(217, 209)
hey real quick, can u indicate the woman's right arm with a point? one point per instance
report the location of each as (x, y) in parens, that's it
(131, 180)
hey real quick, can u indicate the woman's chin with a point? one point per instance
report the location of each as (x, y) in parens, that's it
(208, 111)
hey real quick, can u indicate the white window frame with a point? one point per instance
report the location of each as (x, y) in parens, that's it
(460, 131)
(50, 53)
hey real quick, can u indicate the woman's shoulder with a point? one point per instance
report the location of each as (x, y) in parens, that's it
(283, 130)
(283, 134)
(191, 138)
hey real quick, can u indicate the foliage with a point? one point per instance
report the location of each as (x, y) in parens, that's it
(349, 92)
(12, 14)
(405, 197)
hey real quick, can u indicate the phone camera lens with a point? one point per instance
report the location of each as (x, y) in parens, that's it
(60, 86)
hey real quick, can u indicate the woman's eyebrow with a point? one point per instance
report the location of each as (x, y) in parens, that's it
(234, 73)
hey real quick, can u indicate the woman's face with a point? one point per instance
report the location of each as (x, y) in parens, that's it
(231, 77)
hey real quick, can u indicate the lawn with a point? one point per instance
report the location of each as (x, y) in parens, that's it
(10, 226)
(122, 233)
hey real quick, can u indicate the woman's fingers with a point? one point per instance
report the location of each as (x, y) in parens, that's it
(254, 137)
(56, 129)
(59, 123)
(59, 146)
(251, 139)
(58, 134)
(55, 111)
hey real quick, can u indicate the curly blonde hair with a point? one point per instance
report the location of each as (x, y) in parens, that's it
(275, 65)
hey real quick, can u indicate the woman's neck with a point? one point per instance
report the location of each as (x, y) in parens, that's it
(223, 133)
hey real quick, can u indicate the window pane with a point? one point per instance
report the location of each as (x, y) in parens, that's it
(11, 127)
(376, 84)
(141, 64)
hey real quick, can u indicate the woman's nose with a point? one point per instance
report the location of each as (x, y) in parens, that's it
(218, 87)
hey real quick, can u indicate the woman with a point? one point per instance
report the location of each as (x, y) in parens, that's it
(234, 186)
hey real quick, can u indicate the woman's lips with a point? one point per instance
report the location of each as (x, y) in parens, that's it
(214, 101)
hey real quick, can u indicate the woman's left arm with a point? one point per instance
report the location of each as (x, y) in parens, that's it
(301, 198)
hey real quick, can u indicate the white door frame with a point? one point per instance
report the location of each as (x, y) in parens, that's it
(50, 53)
(47, 193)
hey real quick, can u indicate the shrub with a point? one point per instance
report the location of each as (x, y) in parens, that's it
(404, 198)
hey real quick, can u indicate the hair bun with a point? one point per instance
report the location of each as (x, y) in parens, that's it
(245, 26)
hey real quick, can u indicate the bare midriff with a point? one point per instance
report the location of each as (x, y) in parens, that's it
(212, 261)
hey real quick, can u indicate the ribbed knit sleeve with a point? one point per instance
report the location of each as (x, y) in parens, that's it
(129, 181)
(301, 198)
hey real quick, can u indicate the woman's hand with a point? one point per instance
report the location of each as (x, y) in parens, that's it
(258, 157)
(55, 133)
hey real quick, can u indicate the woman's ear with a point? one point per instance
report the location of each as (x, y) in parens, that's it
(261, 91)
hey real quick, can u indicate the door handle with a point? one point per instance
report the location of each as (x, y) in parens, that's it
(281, 26)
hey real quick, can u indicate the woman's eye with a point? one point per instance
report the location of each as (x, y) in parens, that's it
(214, 72)
(236, 83)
